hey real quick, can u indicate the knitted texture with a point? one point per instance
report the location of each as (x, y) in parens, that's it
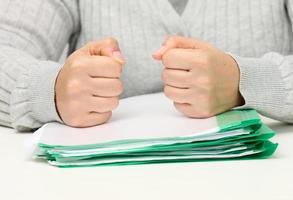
(33, 35)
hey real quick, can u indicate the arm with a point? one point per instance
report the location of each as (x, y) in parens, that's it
(33, 35)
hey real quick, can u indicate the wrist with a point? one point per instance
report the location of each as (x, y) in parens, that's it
(239, 100)
(43, 92)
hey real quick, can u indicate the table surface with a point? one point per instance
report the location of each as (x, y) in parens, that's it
(268, 179)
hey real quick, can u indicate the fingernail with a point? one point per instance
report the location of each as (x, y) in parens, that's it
(118, 56)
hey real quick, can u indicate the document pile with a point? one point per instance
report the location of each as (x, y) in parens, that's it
(148, 129)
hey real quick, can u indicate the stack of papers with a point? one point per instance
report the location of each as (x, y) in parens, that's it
(148, 129)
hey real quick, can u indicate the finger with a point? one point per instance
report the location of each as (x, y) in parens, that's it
(110, 47)
(106, 87)
(194, 111)
(173, 42)
(107, 47)
(186, 109)
(102, 104)
(91, 119)
(183, 42)
(102, 66)
(183, 59)
(177, 94)
(176, 78)
(94, 119)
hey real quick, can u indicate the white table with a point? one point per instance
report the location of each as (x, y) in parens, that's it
(270, 179)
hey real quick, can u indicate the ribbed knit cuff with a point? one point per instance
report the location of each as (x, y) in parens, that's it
(261, 84)
(42, 88)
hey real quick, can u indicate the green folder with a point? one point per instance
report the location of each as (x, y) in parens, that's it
(147, 129)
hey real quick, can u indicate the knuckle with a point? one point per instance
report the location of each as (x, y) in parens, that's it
(115, 68)
(118, 70)
(76, 63)
(169, 56)
(173, 39)
(179, 107)
(90, 43)
(164, 75)
(104, 117)
(167, 91)
(73, 88)
(198, 113)
(114, 103)
(187, 110)
(117, 86)
(171, 53)
(110, 40)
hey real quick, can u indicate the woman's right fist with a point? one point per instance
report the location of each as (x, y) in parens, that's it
(88, 85)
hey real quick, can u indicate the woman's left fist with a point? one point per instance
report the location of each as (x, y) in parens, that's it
(202, 80)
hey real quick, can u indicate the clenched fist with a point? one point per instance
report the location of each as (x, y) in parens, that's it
(201, 80)
(88, 85)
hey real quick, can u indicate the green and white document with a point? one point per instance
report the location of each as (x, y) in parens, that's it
(148, 129)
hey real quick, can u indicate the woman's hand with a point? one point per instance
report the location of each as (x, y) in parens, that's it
(201, 80)
(88, 85)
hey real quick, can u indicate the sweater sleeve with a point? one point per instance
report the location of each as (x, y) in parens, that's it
(33, 35)
(266, 83)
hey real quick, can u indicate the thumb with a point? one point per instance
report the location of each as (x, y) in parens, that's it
(108, 47)
(177, 42)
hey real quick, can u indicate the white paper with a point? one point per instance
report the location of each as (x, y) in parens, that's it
(141, 117)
